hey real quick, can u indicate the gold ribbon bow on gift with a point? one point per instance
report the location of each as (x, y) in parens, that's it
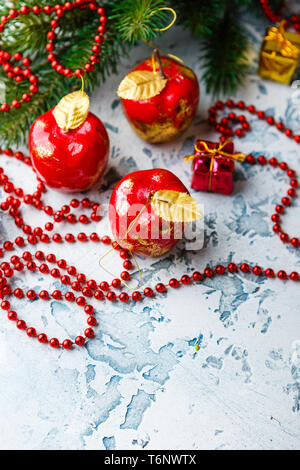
(216, 152)
(283, 45)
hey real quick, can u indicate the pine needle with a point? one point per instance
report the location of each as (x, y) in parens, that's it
(214, 22)
(139, 19)
(224, 57)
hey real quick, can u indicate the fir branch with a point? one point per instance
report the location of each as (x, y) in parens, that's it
(199, 16)
(74, 43)
(224, 57)
(28, 34)
(224, 46)
(15, 124)
(139, 19)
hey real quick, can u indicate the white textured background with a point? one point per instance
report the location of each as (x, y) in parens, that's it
(140, 383)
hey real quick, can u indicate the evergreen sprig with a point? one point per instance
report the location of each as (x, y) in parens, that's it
(199, 16)
(226, 65)
(139, 19)
(29, 37)
(215, 23)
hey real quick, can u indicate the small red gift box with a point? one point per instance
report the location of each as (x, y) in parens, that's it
(213, 166)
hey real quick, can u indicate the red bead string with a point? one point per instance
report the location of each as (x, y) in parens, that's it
(224, 127)
(81, 288)
(23, 71)
(96, 49)
(274, 17)
(293, 21)
(270, 14)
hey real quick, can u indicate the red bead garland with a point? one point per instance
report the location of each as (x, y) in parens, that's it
(82, 288)
(23, 72)
(225, 129)
(274, 17)
(270, 14)
(19, 74)
(50, 47)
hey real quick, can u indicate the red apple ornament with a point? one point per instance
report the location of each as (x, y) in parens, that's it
(160, 102)
(148, 210)
(69, 146)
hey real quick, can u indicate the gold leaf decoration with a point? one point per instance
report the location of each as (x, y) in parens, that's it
(141, 85)
(72, 110)
(175, 206)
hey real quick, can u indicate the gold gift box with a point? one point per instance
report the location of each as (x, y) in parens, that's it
(279, 55)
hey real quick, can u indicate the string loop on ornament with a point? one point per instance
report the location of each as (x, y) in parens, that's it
(82, 84)
(112, 274)
(172, 21)
(150, 43)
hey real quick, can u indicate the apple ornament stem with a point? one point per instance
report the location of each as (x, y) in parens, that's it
(148, 210)
(160, 97)
(69, 145)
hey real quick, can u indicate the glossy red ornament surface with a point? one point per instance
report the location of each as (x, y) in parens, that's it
(68, 161)
(131, 197)
(167, 115)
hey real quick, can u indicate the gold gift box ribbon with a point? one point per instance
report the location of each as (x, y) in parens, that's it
(284, 46)
(279, 54)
